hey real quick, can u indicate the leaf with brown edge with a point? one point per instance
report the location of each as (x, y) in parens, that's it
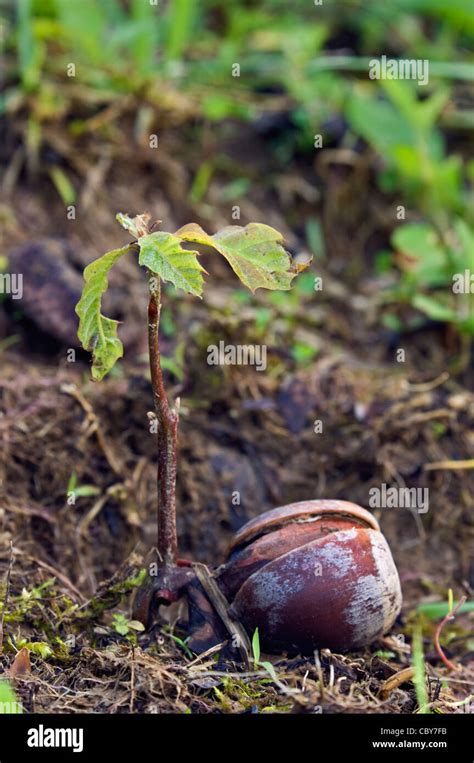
(193, 232)
(138, 226)
(254, 252)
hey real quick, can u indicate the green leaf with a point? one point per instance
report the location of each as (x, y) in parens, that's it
(31, 50)
(168, 364)
(269, 668)
(163, 254)
(439, 609)
(421, 253)
(120, 624)
(9, 703)
(179, 29)
(392, 322)
(466, 325)
(63, 185)
(388, 129)
(97, 333)
(39, 647)
(84, 491)
(194, 232)
(136, 625)
(434, 309)
(378, 123)
(71, 485)
(303, 353)
(418, 664)
(254, 252)
(464, 254)
(256, 646)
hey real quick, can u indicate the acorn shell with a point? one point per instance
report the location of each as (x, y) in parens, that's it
(310, 575)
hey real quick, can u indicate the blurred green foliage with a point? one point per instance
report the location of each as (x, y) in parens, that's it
(443, 265)
(9, 702)
(310, 60)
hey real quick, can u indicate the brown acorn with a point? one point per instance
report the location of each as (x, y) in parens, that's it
(311, 575)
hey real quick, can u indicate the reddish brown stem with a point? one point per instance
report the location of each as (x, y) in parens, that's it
(450, 616)
(167, 433)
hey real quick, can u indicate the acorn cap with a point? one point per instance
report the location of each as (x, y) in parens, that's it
(303, 511)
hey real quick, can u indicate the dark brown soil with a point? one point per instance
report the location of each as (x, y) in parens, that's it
(70, 567)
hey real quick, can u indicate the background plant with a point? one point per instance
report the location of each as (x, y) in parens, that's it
(292, 69)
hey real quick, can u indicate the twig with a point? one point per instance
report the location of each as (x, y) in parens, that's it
(450, 616)
(423, 416)
(207, 653)
(427, 386)
(469, 464)
(221, 606)
(392, 683)
(94, 426)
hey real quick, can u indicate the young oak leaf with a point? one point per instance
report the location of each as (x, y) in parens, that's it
(97, 333)
(163, 254)
(254, 252)
(194, 232)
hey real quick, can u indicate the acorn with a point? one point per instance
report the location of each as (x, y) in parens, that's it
(310, 575)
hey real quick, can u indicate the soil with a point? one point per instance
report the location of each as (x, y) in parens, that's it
(67, 569)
